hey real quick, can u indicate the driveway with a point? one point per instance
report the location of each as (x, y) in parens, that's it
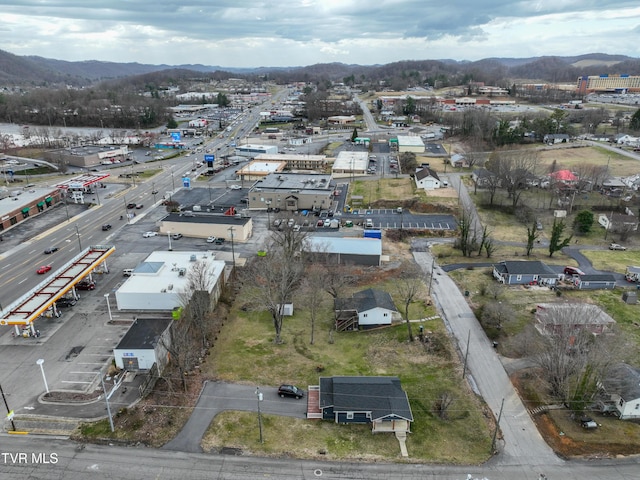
(217, 397)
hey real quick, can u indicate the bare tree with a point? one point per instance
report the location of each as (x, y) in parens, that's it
(182, 349)
(274, 277)
(496, 314)
(196, 299)
(515, 170)
(407, 285)
(312, 288)
(571, 357)
(442, 405)
(466, 241)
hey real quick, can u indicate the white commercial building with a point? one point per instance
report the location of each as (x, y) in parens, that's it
(408, 143)
(161, 281)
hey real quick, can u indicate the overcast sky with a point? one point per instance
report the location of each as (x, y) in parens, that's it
(254, 33)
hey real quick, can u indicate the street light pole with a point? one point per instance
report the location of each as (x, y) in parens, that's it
(259, 396)
(78, 234)
(106, 295)
(9, 412)
(169, 235)
(40, 361)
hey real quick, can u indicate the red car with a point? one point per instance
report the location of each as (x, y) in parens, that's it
(43, 269)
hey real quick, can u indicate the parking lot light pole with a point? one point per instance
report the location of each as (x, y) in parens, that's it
(106, 295)
(268, 202)
(40, 362)
(259, 396)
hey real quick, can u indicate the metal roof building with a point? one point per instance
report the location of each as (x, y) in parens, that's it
(354, 251)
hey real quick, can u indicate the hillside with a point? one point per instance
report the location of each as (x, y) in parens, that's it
(24, 71)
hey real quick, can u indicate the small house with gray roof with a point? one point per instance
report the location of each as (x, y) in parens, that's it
(365, 309)
(524, 273)
(622, 385)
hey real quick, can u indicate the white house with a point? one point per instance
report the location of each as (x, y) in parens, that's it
(366, 309)
(144, 344)
(618, 222)
(622, 384)
(160, 282)
(427, 179)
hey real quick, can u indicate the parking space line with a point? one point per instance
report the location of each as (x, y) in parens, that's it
(68, 381)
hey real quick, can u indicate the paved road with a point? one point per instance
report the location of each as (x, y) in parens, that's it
(522, 444)
(80, 462)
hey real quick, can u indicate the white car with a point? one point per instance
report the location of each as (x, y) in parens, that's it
(235, 187)
(616, 246)
(149, 234)
(211, 239)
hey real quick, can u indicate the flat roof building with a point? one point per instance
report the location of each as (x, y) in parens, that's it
(408, 143)
(292, 191)
(259, 168)
(295, 161)
(162, 280)
(203, 225)
(350, 163)
(253, 151)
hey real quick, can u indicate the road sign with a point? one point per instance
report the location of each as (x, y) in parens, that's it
(186, 182)
(209, 158)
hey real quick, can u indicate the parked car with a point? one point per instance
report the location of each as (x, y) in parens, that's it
(106, 227)
(49, 250)
(290, 391)
(176, 236)
(211, 239)
(131, 205)
(66, 302)
(149, 234)
(235, 187)
(86, 285)
(43, 269)
(616, 246)
(588, 423)
(573, 271)
(219, 241)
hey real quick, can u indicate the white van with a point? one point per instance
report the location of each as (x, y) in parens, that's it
(368, 223)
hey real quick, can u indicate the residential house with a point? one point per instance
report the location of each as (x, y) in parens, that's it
(365, 309)
(622, 385)
(595, 282)
(427, 179)
(483, 177)
(524, 273)
(459, 161)
(590, 318)
(552, 138)
(379, 401)
(617, 222)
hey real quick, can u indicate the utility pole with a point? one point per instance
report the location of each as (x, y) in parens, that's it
(466, 355)
(495, 433)
(9, 412)
(233, 254)
(259, 396)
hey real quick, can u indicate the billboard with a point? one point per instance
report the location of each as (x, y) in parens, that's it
(176, 136)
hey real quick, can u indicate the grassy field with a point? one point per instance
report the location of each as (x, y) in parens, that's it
(245, 352)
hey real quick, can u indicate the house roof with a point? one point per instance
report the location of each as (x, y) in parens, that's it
(591, 314)
(366, 300)
(564, 176)
(343, 245)
(382, 396)
(524, 267)
(597, 278)
(425, 172)
(624, 380)
(144, 334)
